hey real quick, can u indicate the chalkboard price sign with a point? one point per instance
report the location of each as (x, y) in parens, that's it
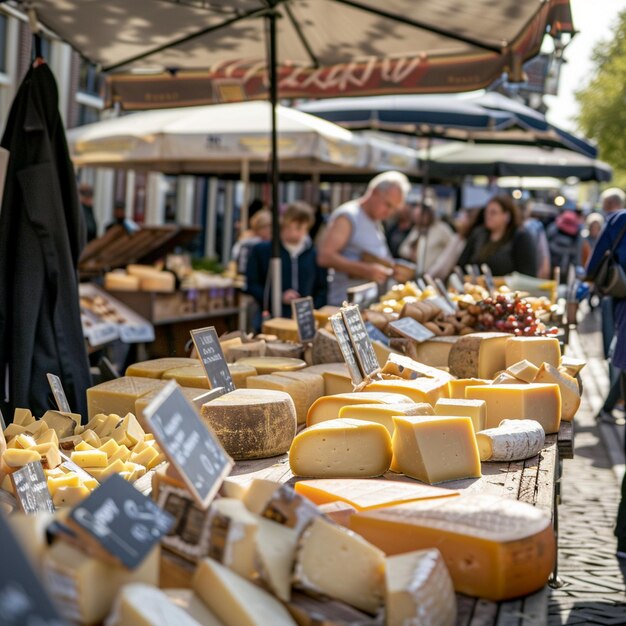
(23, 599)
(59, 393)
(302, 311)
(31, 489)
(190, 446)
(411, 329)
(360, 340)
(349, 355)
(119, 523)
(212, 356)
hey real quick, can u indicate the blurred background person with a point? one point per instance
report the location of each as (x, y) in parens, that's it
(613, 199)
(260, 230)
(590, 235)
(565, 241)
(400, 227)
(85, 196)
(501, 242)
(536, 228)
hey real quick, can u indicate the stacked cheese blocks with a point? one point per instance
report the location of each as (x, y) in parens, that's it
(140, 278)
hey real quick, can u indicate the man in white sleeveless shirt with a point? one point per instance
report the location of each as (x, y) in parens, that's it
(356, 227)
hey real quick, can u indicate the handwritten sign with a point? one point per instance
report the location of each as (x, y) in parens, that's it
(349, 355)
(59, 393)
(212, 357)
(411, 329)
(31, 489)
(120, 521)
(23, 599)
(302, 311)
(360, 340)
(189, 445)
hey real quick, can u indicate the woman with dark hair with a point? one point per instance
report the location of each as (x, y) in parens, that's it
(501, 242)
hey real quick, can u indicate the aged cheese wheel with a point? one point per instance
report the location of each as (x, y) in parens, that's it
(285, 349)
(240, 373)
(188, 376)
(284, 328)
(325, 348)
(478, 355)
(155, 368)
(322, 315)
(252, 423)
(271, 364)
(252, 348)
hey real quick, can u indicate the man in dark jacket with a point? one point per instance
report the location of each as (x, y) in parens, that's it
(301, 275)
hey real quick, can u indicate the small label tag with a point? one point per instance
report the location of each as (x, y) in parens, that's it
(31, 489)
(59, 393)
(212, 356)
(302, 311)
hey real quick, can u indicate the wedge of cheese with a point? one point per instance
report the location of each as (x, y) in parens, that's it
(512, 440)
(523, 370)
(537, 350)
(476, 410)
(434, 352)
(309, 610)
(325, 369)
(155, 368)
(341, 448)
(423, 389)
(383, 413)
(436, 448)
(541, 402)
(119, 396)
(328, 407)
(457, 387)
(494, 548)
(409, 369)
(570, 395)
(191, 603)
(337, 383)
(478, 355)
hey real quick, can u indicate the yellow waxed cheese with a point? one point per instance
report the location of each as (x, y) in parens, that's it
(434, 449)
(570, 395)
(271, 364)
(537, 350)
(336, 562)
(18, 457)
(284, 328)
(155, 368)
(541, 402)
(419, 390)
(523, 370)
(189, 376)
(118, 396)
(418, 586)
(234, 600)
(494, 548)
(365, 494)
(118, 281)
(476, 410)
(328, 407)
(240, 373)
(478, 355)
(89, 458)
(341, 448)
(252, 423)
(383, 413)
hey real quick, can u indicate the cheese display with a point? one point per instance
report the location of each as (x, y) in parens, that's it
(537, 350)
(191, 393)
(119, 396)
(271, 364)
(252, 423)
(325, 348)
(240, 372)
(119, 281)
(341, 448)
(284, 506)
(328, 407)
(474, 409)
(155, 368)
(325, 370)
(570, 395)
(504, 378)
(512, 440)
(523, 370)
(479, 355)
(250, 348)
(409, 369)
(419, 590)
(436, 448)
(338, 512)
(365, 494)
(336, 383)
(336, 562)
(383, 413)
(152, 279)
(494, 548)
(435, 351)
(284, 328)
(234, 600)
(541, 402)
(457, 387)
(189, 602)
(419, 390)
(572, 365)
(189, 376)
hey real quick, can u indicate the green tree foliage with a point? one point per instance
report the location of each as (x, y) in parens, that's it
(602, 100)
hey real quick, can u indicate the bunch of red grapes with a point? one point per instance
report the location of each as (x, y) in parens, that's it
(510, 314)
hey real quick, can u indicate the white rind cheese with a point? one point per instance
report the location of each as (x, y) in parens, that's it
(512, 440)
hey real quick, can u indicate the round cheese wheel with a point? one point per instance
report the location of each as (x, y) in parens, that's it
(269, 364)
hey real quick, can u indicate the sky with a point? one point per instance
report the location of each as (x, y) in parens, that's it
(593, 20)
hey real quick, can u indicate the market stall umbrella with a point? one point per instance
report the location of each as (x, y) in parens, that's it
(215, 52)
(454, 159)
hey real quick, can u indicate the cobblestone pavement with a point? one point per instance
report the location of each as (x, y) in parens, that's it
(594, 588)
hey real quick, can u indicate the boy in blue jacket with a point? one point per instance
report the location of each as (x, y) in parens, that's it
(301, 275)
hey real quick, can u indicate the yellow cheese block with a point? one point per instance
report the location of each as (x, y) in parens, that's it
(572, 365)
(252, 423)
(118, 281)
(23, 417)
(189, 376)
(67, 480)
(336, 562)
(478, 355)
(383, 413)
(68, 496)
(328, 407)
(90, 458)
(382, 352)
(537, 350)
(523, 370)
(409, 369)
(366, 494)
(155, 368)
(494, 548)
(434, 449)
(50, 455)
(341, 448)
(271, 364)
(284, 328)
(118, 396)
(570, 395)
(419, 390)
(18, 457)
(191, 393)
(312, 386)
(435, 351)
(324, 368)
(159, 281)
(503, 378)
(541, 402)
(240, 373)
(476, 410)
(322, 315)
(419, 584)
(234, 600)
(337, 383)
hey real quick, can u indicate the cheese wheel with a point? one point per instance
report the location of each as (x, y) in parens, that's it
(286, 349)
(252, 423)
(189, 376)
(478, 355)
(325, 348)
(155, 368)
(284, 328)
(252, 348)
(512, 440)
(271, 364)
(240, 372)
(117, 281)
